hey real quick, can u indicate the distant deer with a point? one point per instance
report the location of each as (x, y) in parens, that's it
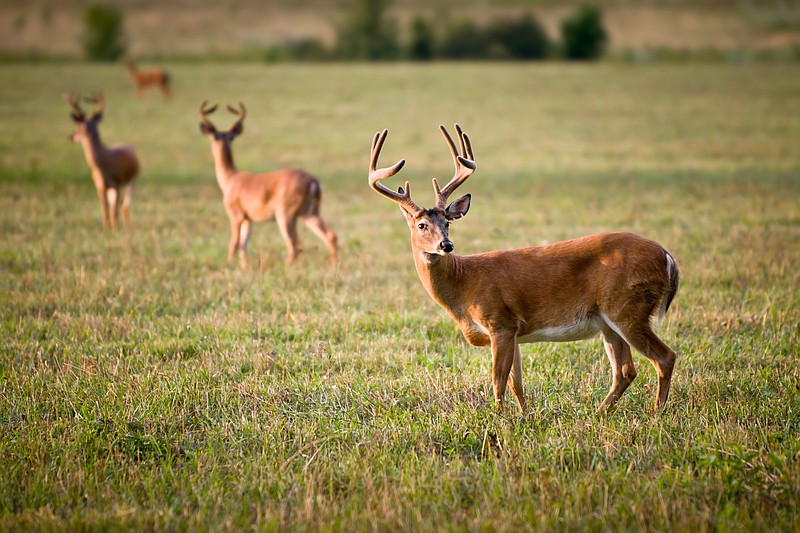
(610, 283)
(114, 169)
(284, 195)
(143, 79)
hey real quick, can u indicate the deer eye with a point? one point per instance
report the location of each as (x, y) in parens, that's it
(422, 225)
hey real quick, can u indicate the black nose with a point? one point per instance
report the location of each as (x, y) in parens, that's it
(446, 246)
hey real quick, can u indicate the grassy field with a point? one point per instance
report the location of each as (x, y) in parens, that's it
(145, 384)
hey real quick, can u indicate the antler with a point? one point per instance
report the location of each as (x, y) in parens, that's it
(402, 197)
(239, 113)
(465, 165)
(98, 100)
(73, 100)
(204, 111)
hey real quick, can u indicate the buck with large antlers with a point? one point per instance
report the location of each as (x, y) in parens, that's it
(114, 169)
(610, 283)
(284, 195)
(142, 79)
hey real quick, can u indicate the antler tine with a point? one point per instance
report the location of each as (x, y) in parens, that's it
(402, 196)
(238, 112)
(73, 100)
(97, 99)
(241, 112)
(466, 145)
(465, 165)
(204, 111)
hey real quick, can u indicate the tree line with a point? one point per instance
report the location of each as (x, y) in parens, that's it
(368, 34)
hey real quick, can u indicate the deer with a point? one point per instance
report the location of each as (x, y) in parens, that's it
(114, 169)
(143, 79)
(609, 283)
(285, 195)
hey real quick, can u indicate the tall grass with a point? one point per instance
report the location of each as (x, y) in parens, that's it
(144, 384)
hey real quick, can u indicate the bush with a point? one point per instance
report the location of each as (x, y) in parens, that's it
(366, 34)
(304, 49)
(522, 38)
(583, 34)
(464, 40)
(103, 33)
(422, 43)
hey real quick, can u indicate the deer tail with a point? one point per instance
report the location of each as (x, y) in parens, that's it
(674, 278)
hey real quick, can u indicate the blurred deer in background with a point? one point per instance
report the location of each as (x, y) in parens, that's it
(284, 195)
(610, 283)
(114, 169)
(143, 79)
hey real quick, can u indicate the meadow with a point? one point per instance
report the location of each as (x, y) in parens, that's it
(146, 384)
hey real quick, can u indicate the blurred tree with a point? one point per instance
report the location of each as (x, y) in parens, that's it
(583, 34)
(103, 38)
(464, 40)
(366, 34)
(422, 43)
(521, 38)
(304, 49)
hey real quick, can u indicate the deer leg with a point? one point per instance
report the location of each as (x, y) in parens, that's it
(504, 347)
(663, 359)
(660, 355)
(515, 381)
(244, 240)
(234, 243)
(619, 355)
(288, 227)
(321, 230)
(101, 195)
(111, 197)
(127, 197)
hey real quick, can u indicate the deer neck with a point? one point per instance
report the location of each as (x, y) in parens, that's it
(223, 164)
(94, 150)
(442, 276)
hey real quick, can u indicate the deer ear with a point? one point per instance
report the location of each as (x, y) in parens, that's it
(97, 117)
(458, 208)
(76, 117)
(237, 129)
(206, 129)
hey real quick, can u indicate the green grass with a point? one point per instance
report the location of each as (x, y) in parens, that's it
(145, 385)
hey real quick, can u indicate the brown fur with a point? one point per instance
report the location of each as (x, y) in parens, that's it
(143, 79)
(284, 195)
(114, 169)
(610, 283)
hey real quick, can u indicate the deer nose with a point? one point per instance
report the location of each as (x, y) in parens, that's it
(446, 246)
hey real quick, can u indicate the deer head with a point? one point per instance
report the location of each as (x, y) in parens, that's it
(429, 227)
(208, 129)
(85, 128)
